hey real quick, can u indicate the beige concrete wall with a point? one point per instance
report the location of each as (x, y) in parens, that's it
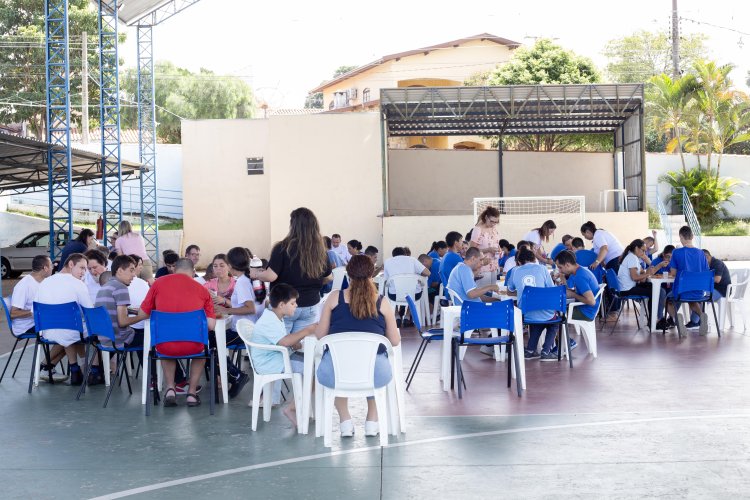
(332, 165)
(446, 182)
(223, 206)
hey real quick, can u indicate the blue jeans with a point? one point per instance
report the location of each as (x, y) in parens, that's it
(302, 317)
(383, 373)
(535, 331)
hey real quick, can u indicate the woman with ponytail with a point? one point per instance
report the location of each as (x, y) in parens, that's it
(359, 308)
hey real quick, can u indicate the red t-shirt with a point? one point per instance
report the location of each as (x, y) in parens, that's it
(178, 293)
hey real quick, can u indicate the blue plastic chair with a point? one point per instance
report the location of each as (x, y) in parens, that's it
(476, 315)
(695, 287)
(189, 326)
(53, 317)
(99, 324)
(550, 298)
(613, 283)
(427, 337)
(23, 336)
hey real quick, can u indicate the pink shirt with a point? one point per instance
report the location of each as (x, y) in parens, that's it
(213, 285)
(486, 238)
(131, 244)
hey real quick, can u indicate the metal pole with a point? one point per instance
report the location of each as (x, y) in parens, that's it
(675, 41)
(84, 89)
(500, 165)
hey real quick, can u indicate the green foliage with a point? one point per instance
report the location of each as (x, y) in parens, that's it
(644, 54)
(22, 58)
(181, 94)
(729, 227)
(343, 69)
(314, 101)
(708, 193)
(654, 221)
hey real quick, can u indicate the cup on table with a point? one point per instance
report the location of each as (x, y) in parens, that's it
(665, 274)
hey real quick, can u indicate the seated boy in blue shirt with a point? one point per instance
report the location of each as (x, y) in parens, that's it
(581, 283)
(270, 329)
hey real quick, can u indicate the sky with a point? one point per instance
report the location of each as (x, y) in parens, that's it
(284, 49)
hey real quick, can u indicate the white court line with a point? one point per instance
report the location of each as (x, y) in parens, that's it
(227, 472)
(588, 414)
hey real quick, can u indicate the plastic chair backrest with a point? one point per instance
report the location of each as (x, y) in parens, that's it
(6, 309)
(189, 326)
(404, 285)
(694, 282)
(740, 279)
(457, 301)
(585, 257)
(338, 277)
(58, 316)
(98, 322)
(475, 315)
(353, 355)
(612, 281)
(543, 298)
(245, 329)
(414, 313)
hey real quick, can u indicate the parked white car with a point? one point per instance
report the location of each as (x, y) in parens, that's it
(16, 259)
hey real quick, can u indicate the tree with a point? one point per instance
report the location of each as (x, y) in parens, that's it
(315, 100)
(642, 55)
(181, 94)
(342, 70)
(22, 61)
(544, 63)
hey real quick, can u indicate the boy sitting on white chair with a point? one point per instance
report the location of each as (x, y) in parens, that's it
(270, 329)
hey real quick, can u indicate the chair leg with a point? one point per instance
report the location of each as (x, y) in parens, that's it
(120, 361)
(257, 388)
(86, 373)
(10, 355)
(510, 353)
(716, 319)
(617, 320)
(459, 374)
(34, 367)
(49, 362)
(127, 379)
(517, 361)
(23, 351)
(414, 364)
(212, 384)
(564, 327)
(453, 363)
(637, 316)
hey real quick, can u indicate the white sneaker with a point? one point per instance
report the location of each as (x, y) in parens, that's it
(347, 428)
(488, 350)
(371, 428)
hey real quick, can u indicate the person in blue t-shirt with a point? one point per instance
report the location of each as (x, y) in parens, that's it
(567, 244)
(462, 280)
(693, 260)
(582, 285)
(433, 281)
(438, 249)
(529, 273)
(665, 255)
(452, 257)
(508, 250)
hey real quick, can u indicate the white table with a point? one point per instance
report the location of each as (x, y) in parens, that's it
(449, 315)
(308, 349)
(656, 282)
(221, 350)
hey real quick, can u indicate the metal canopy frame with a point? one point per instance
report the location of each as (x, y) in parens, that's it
(24, 165)
(614, 109)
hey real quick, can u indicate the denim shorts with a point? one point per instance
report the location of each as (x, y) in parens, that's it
(302, 317)
(383, 373)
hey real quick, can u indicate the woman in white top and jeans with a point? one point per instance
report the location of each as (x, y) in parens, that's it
(538, 237)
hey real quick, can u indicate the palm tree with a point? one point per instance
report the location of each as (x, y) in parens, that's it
(667, 104)
(716, 100)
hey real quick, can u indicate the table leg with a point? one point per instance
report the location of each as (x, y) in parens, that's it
(447, 319)
(307, 380)
(655, 289)
(221, 352)
(146, 349)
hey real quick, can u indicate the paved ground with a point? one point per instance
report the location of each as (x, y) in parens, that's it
(652, 416)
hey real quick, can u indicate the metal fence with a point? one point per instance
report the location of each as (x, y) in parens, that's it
(690, 217)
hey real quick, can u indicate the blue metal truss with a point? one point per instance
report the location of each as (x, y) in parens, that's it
(109, 107)
(59, 162)
(147, 141)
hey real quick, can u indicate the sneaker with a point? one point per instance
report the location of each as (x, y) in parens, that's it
(703, 327)
(371, 428)
(76, 376)
(181, 389)
(662, 324)
(347, 428)
(43, 368)
(487, 350)
(692, 325)
(398, 322)
(670, 323)
(95, 378)
(680, 323)
(237, 385)
(527, 354)
(548, 356)
(407, 323)
(572, 344)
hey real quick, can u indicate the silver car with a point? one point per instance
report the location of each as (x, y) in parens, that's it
(17, 258)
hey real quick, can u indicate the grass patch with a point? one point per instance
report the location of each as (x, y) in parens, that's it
(732, 227)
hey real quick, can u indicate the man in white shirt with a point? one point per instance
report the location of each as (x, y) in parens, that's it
(97, 264)
(401, 263)
(340, 249)
(61, 288)
(193, 252)
(24, 293)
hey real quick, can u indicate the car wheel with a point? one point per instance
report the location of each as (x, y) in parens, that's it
(5, 268)
(15, 274)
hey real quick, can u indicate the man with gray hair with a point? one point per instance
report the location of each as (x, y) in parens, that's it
(179, 292)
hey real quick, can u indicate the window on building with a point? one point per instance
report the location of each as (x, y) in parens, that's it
(255, 166)
(366, 95)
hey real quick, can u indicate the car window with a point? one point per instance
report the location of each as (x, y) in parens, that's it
(43, 241)
(29, 240)
(62, 238)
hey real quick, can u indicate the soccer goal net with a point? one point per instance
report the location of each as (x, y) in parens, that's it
(519, 215)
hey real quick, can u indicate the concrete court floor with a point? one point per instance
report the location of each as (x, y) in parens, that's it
(652, 416)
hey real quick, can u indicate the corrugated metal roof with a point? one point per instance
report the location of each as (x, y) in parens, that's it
(131, 11)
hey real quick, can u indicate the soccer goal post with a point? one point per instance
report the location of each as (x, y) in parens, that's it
(519, 215)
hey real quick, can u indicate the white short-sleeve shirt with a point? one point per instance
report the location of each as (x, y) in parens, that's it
(402, 264)
(23, 297)
(614, 248)
(61, 288)
(243, 292)
(623, 276)
(533, 238)
(138, 289)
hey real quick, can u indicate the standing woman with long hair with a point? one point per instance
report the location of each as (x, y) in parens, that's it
(81, 244)
(484, 236)
(538, 237)
(129, 242)
(301, 261)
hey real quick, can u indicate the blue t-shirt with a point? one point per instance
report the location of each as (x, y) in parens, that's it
(584, 281)
(434, 272)
(269, 329)
(501, 262)
(448, 262)
(462, 282)
(434, 254)
(531, 274)
(558, 248)
(656, 261)
(688, 259)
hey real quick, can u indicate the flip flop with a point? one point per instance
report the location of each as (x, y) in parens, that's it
(170, 401)
(197, 401)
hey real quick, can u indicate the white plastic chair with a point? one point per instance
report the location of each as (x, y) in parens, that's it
(736, 293)
(353, 355)
(436, 304)
(338, 277)
(262, 382)
(587, 327)
(457, 301)
(403, 285)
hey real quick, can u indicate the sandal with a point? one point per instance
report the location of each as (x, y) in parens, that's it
(196, 402)
(170, 400)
